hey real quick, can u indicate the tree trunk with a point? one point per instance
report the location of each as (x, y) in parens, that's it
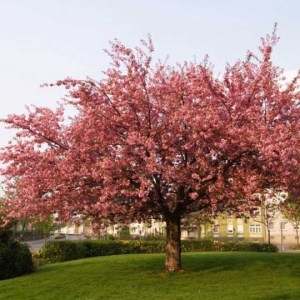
(173, 248)
(199, 231)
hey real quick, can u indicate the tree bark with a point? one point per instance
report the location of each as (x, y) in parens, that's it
(173, 248)
(199, 231)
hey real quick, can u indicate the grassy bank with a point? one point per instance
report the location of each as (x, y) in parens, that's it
(140, 276)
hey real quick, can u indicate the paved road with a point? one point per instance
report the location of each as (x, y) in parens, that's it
(38, 244)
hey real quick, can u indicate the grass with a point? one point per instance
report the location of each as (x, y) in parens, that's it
(206, 276)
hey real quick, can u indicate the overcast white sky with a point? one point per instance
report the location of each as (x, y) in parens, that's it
(43, 41)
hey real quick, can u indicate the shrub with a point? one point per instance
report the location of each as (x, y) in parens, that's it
(253, 247)
(6, 234)
(198, 245)
(61, 251)
(15, 260)
(124, 234)
(263, 247)
(57, 251)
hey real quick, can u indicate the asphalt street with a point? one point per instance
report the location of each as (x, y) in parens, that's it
(38, 244)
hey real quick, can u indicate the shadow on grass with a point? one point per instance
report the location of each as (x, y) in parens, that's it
(191, 262)
(278, 297)
(130, 262)
(230, 261)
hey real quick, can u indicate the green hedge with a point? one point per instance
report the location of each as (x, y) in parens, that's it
(57, 251)
(15, 260)
(6, 234)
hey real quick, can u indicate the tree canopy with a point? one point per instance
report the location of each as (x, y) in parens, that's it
(151, 140)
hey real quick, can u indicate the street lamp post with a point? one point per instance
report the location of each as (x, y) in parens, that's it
(297, 234)
(281, 235)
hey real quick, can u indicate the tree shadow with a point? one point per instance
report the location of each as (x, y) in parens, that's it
(230, 261)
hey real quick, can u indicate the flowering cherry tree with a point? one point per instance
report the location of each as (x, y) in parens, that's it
(152, 140)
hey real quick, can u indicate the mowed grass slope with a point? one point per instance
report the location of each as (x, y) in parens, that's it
(207, 276)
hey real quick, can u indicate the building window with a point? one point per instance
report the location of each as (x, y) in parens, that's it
(282, 225)
(230, 228)
(271, 226)
(240, 228)
(216, 228)
(255, 229)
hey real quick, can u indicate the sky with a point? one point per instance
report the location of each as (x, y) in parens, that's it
(44, 41)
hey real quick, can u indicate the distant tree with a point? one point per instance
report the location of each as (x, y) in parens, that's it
(196, 220)
(6, 232)
(268, 206)
(268, 211)
(155, 140)
(44, 226)
(291, 211)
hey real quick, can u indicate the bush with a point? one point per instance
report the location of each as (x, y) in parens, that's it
(253, 247)
(57, 251)
(15, 260)
(61, 251)
(6, 234)
(198, 245)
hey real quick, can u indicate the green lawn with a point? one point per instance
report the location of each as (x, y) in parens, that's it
(233, 275)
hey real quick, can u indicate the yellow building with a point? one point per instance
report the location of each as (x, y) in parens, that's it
(237, 229)
(228, 228)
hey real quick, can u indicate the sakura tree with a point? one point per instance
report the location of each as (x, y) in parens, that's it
(153, 140)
